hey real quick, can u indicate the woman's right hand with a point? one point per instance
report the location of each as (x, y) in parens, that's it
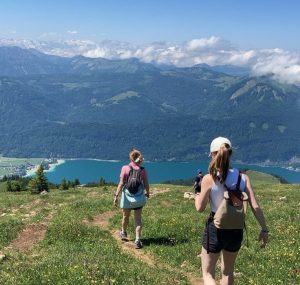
(263, 238)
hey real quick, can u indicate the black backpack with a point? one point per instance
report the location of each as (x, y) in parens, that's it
(134, 179)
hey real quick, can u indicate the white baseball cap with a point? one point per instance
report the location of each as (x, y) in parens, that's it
(218, 142)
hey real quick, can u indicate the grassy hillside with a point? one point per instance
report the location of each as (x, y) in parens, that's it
(69, 237)
(258, 178)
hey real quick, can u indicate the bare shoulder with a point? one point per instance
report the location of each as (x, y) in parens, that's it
(249, 188)
(207, 180)
(246, 177)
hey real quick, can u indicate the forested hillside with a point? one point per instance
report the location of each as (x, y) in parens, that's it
(99, 108)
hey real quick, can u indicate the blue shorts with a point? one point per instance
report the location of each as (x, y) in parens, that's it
(219, 239)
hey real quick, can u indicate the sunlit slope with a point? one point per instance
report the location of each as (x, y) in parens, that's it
(71, 237)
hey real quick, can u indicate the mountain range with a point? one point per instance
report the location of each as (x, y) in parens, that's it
(100, 108)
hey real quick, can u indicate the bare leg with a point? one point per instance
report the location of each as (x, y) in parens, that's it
(227, 267)
(208, 261)
(125, 219)
(138, 223)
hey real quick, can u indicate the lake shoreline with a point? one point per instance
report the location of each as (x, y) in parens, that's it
(91, 170)
(51, 167)
(56, 171)
(284, 165)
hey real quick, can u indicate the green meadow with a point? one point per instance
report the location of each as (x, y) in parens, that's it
(69, 237)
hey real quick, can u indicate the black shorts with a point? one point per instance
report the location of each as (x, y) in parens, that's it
(133, 208)
(137, 208)
(218, 239)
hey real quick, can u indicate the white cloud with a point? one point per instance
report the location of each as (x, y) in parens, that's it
(283, 65)
(72, 32)
(95, 53)
(198, 44)
(241, 57)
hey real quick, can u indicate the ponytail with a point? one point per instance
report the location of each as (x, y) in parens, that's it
(219, 165)
(135, 156)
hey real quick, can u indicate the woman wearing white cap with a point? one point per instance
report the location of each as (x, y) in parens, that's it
(216, 240)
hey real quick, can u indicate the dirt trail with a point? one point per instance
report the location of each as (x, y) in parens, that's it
(102, 221)
(30, 235)
(34, 233)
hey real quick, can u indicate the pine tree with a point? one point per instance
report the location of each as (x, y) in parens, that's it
(76, 182)
(33, 186)
(41, 179)
(63, 185)
(39, 183)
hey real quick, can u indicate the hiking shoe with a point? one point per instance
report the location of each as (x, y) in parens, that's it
(138, 244)
(123, 235)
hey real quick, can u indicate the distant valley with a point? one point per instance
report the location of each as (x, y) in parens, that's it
(98, 108)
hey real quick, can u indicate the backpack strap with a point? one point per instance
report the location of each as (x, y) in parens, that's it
(239, 181)
(140, 167)
(131, 169)
(127, 175)
(238, 184)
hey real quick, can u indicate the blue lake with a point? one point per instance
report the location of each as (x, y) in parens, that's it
(91, 170)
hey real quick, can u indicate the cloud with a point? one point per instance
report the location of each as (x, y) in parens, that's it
(204, 43)
(72, 32)
(212, 50)
(97, 52)
(282, 64)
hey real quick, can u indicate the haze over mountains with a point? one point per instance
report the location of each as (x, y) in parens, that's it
(100, 108)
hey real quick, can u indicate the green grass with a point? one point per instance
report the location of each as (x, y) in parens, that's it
(258, 178)
(3, 186)
(75, 253)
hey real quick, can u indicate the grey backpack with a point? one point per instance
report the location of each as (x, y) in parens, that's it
(134, 179)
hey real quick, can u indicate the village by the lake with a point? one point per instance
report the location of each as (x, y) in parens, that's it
(24, 166)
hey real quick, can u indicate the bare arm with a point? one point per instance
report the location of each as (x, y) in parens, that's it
(146, 185)
(258, 213)
(119, 189)
(202, 198)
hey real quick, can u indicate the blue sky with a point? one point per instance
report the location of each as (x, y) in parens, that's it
(246, 24)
